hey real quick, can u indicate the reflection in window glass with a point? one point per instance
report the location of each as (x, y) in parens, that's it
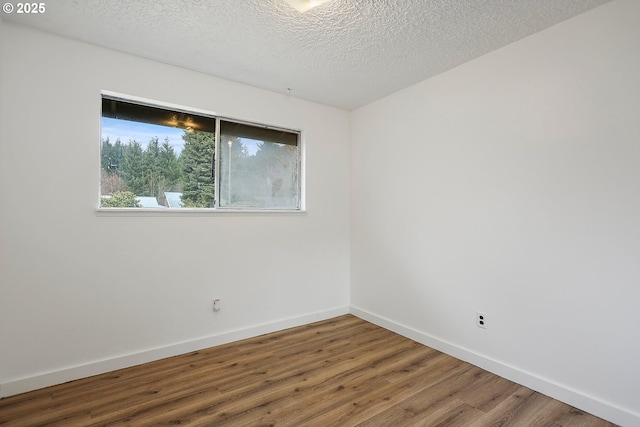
(259, 168)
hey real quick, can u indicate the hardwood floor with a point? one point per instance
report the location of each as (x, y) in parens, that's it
(338, 372)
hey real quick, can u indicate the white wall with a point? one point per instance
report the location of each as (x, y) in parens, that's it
(83, 292)
(511, 185)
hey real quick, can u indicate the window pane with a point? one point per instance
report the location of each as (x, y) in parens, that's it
(259, 168)
(155, 158)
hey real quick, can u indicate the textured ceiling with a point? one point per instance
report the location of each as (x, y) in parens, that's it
(344, 53)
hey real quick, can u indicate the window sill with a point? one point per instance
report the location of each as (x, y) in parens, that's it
(192, 211)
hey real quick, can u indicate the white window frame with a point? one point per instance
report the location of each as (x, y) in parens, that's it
(217, 181)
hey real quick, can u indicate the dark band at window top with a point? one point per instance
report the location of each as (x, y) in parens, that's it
(122, 110)
(233, 129)
(118, 109)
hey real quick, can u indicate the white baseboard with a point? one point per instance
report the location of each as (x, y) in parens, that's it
(590, 404)
(47, 379)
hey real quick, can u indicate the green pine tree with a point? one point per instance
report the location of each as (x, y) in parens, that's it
(198, 187)
(170, 165)
(133, 171)
(111, 155)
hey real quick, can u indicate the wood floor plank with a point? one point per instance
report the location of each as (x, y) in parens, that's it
(338, 372)
(238, 382)
(325, 398)
(178, 381)
(538, 410)
(503, 413)
(430, 404)
(260, 379)
(488, 391)
(362, 404)
(311, 377)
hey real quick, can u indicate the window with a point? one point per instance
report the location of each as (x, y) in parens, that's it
(156, 157)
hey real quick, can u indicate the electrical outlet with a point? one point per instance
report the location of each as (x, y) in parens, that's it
(216, 304)
(481, 320)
